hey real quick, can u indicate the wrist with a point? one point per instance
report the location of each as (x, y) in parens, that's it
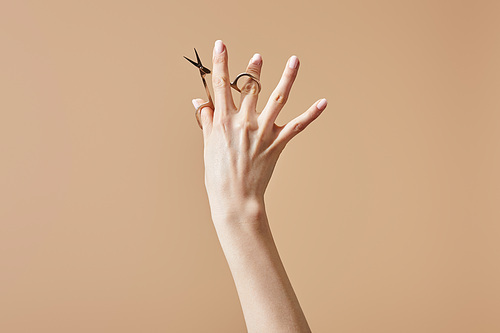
(237, 212)
(241, 226)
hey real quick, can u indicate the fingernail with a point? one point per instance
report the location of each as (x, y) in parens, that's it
(195, 103)
(219, 47)
(321, 104)
(293, 62)
(256, 59)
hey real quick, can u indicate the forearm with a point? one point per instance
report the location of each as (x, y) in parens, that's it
(241, 148)
(267, 298)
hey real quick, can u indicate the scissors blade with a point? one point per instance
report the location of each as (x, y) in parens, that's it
(205, 70)
(191, 61)
(198, 57)
(202, 68)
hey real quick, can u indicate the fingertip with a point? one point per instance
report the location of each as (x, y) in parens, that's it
(219, 47)
(256, 59)
(293, 62)
(322, 104)
(195, 103)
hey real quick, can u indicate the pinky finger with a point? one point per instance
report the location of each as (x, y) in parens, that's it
(298, 124)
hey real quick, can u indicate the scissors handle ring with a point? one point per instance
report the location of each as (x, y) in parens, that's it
(197, 113)
(234, 84)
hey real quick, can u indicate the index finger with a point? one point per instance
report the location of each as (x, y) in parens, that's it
(220, 80)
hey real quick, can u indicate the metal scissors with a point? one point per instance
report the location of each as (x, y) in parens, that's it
(203, 72)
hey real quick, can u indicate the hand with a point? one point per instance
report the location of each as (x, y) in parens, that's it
(242, 146)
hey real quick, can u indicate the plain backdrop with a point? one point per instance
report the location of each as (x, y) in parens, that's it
(385, 210)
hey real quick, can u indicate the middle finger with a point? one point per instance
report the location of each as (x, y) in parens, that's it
(250, 90)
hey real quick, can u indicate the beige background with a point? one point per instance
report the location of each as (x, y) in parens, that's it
(385, 210)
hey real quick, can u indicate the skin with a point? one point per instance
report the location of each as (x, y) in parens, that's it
(241, 148)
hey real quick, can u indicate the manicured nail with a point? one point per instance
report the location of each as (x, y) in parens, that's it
(219, 47)
(256, 59)
(321, 104)
(195, 103)
(293, 62)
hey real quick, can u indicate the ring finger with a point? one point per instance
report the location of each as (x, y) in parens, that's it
(280, 94)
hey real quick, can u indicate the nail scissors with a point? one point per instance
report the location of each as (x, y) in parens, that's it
(203, 72)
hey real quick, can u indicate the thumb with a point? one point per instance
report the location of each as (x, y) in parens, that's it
(205, 115)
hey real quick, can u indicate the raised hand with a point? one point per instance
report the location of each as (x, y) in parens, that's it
(241, 145)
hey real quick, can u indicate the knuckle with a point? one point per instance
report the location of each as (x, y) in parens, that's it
(223, 124)
(245, 125)
(250, 126)
(220, 82)
(298, 127)
(280, 99)
(250, 88)
(205, 114)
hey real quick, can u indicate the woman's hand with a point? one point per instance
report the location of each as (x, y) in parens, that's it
(241, 150)
(242, 146)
